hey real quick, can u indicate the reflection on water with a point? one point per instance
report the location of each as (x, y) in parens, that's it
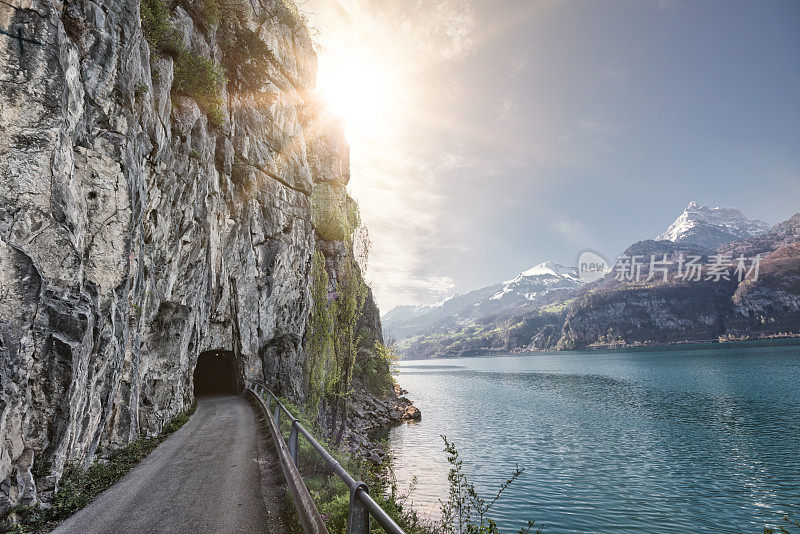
(670, 441)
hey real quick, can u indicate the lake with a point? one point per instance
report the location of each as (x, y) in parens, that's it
(698, 440)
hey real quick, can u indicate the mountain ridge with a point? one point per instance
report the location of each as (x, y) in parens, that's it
(611, 312)
(712, 227)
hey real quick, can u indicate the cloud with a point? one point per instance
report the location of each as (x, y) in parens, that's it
(400, 175)
(518, 63)
(404, 204)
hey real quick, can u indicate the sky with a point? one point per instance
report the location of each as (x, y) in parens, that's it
(488, 136)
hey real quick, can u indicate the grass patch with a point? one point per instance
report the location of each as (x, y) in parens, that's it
(78, 485)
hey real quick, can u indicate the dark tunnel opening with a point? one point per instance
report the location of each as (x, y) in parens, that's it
(215, 373)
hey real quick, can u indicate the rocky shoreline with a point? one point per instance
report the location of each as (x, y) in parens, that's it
(369, 414)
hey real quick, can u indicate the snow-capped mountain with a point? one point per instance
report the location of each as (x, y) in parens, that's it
(538, 281)
(712, 227)
(539, 286)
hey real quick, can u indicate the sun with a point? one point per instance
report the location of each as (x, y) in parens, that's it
(358, 88)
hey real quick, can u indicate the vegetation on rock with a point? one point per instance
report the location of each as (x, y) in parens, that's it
(289, 15)
(203, 80)
(334, 213)
(79, 485)
(195, 76)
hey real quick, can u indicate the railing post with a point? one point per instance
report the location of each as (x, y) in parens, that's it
(293, 441)
(277, 414)
(358, 516)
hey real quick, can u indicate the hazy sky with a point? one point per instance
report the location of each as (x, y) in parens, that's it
(497, 134)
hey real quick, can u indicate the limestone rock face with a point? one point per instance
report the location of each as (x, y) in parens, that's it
(135, 234)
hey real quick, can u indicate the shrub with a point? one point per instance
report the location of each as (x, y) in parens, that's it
(465, 511)
(289, 15)
(375, 367)
(245, 56)
(158, 29)
(333, 212)
(194, 76)
(203, 80)
(331, 495)
(215, 12)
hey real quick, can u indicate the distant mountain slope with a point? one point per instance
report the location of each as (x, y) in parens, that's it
(461, 317)
(712, 227)
(611, 312)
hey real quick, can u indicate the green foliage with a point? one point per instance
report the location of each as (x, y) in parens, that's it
(334, 335)
(289, 15)
(203, 80)
(330, 212)
(158, 29)
(215, 12)
(194, 76)
(78, 486)
(320, 336)
(41, 467)
(246, 57)
(465, 511)
(375, 368)
(331, 495)
(348, 306)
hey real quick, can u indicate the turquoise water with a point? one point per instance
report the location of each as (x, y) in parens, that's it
(702, 440)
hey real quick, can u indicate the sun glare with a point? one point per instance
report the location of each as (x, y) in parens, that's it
(360, 91)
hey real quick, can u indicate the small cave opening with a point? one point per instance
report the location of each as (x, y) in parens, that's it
(215, 373)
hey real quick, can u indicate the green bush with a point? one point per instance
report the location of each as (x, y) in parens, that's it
(464, 512)
(374, 369)
(215, 12)
(331, 496)
(203, 80)
(246, 57)
(194, 76)
(289, 15)
(334, 213)
(158, 28)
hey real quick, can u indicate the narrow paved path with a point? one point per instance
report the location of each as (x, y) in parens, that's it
(206, 477)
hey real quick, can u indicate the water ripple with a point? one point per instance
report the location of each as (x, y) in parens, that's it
(667, 442)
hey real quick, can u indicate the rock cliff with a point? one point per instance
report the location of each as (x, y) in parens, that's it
(143, 222)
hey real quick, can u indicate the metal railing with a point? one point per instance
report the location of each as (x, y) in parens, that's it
(362, 506)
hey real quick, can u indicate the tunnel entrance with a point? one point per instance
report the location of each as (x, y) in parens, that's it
(215, 373)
